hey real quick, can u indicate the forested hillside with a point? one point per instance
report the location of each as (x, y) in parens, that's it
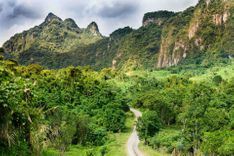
(198, 35)
(186, 113)
(66, 90)
(43, 109)
(185, 110)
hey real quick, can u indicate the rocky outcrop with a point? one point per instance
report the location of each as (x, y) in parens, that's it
(50, 17)
(158, 21)
(18, 42)
(226, 16)
(198, 41)
(167, 58)
(93, 28)
(163, 58)
(200, 33)
(53, 35)
(195, 23)
(157, 18)
(165, 39)
(207, 2)
(193, 30)
(179, 51)
(115, 60)
(220, 19)
(70, 23)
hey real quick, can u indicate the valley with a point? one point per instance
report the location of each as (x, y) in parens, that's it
(165, 88)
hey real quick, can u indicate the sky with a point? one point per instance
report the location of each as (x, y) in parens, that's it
(19, 15)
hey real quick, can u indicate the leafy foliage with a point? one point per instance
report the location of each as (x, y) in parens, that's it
(56, 108)
(149, 124)
(167, 39)
(195, 115)
(158, 14)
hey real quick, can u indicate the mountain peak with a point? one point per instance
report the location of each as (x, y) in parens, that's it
(71, 23)
(51, 17)
(93, 28)
(157, 17)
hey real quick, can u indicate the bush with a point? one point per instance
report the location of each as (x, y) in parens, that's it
(148, 125)
(218, 143)
(168, 138)
(114, 120)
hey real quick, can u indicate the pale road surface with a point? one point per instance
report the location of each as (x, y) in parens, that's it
(133, 140)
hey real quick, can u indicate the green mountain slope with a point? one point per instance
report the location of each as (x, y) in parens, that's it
(53, 36)
(199, 35)
(206, 30)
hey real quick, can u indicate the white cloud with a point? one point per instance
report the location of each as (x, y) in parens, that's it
(19, 15)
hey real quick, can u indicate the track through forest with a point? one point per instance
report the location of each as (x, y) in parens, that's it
(133, 140)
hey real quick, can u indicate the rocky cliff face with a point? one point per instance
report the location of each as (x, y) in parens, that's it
(206, 26)
(158, 17)
(50, 17)
(93, 29)
(199, 34)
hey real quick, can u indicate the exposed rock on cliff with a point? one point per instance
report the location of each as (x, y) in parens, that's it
(158, 17)
(220, 19)
(51, 17)
(206, 27)
(196, 35)
(54, 35)
(93, 28)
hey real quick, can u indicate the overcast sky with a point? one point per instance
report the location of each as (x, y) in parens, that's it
(19, 15)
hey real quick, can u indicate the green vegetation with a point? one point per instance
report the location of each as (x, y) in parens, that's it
(50, 40)
(158, 15)
(148, 125)
(49, 107)
(200, 35)
(183, 113)
(149, 151)
(43, 109)
(114, 147)
(186, 110)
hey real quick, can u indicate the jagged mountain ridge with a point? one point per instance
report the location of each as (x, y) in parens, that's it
(54, 35)
(199, 35)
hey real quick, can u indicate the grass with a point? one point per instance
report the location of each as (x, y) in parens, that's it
(226, 72)
(199, 75)
(148, 151)
(118, 146)
(154, 74)
(115, 147)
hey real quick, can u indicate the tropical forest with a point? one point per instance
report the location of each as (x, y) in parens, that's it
(165, 88)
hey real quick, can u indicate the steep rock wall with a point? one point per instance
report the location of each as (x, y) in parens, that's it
(203, 32)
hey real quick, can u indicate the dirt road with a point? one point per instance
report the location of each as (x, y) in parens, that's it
(133, 140)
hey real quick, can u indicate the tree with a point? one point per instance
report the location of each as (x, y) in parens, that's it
(196, 103)
(113, 118)
(217, 79)
(219, 142)
(2, 51)
(148, 125)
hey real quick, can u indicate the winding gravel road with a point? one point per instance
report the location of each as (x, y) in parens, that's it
(133, 140)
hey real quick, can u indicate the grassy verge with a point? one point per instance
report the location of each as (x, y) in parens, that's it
(118, 146)
(115, 147)
(148, 151)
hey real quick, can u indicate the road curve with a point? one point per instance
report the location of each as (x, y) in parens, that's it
(133, 140)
